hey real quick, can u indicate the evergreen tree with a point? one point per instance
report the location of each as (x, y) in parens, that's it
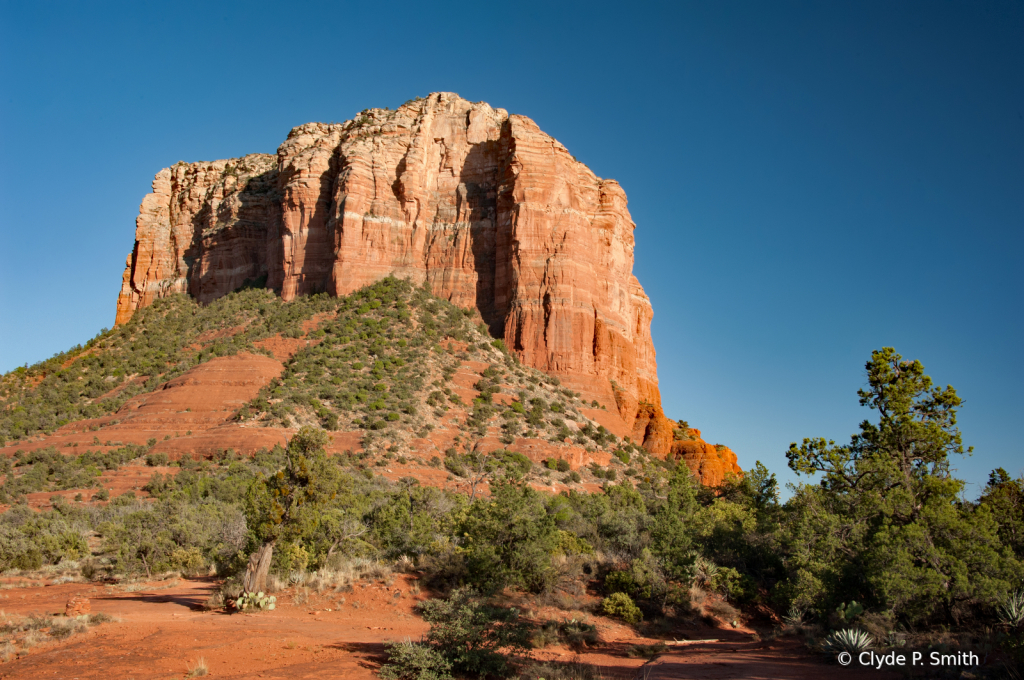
(288, 505)
(886, 524)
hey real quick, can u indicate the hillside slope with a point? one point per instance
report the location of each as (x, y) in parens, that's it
(393, 372)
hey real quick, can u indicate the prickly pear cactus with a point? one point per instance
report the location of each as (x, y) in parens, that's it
(251, 601)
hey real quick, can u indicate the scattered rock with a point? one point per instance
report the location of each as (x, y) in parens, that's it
(77, 606)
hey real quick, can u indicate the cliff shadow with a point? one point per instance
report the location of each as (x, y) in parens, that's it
(237, 232)
(311, 245)
(318, 248)
(476, 197)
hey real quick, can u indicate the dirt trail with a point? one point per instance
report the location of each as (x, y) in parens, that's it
(778, 660)
(163, 629)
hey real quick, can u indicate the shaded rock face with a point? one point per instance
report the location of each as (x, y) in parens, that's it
(482, 205)
(205, 230)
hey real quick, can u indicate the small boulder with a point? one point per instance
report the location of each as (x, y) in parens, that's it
(77, 606)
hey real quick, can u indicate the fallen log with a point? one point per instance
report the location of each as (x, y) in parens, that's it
(679, 643)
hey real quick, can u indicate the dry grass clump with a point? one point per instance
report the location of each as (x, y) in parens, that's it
(647, 651)
(337, 577)
(712, 608)
(567, 602)
(722, 610)
(63, 629)
(36, 629)
(545, 635)
(67, 571)
(301, 595)
(31, 639)
(345, 571)
(550, 670)
(573, 633)
(198, 669)
(168, 579)
(215, 601)
(232, 588)
(33, 621)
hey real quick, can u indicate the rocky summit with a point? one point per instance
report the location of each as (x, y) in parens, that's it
(480, 205)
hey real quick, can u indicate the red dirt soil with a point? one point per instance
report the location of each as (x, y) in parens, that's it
(163, 629)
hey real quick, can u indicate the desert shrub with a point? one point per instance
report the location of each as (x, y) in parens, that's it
(642, 581)
(647, 651)
(620, 582)
(620, 605)
(63, 629)
(515, 463)
(170, 535)
(475, 637)
(414, 661)
(544, 635)
(156, 459)
(509, 539)
(571, 544)
(552, 670)
(187, 560)
(454, 464)
(28, 540)
(578, 635)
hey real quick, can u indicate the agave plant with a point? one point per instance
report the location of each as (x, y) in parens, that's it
(848, 640)
(1011, 611)
(795, 617)
(705, 572)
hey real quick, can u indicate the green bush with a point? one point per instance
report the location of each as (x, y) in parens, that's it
(414, 661)
(620, 605)
(510, 538)
(620, 582)
(475, 637)
(156, 459)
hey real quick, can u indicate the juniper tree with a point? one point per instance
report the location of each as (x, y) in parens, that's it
(288, 505)
(886, 523)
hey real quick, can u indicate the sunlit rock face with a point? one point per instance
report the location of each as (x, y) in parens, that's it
(481, 205)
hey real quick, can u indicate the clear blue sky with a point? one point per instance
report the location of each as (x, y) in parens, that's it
(810, 181)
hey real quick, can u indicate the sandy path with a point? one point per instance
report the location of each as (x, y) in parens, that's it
(163, 629)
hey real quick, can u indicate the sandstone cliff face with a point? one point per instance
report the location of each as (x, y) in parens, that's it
(482, 205)
(204, 230)
(711, 463)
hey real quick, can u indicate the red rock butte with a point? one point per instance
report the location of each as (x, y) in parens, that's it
(482, 205)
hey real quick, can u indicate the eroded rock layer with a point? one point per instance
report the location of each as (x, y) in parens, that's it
(482, 205)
